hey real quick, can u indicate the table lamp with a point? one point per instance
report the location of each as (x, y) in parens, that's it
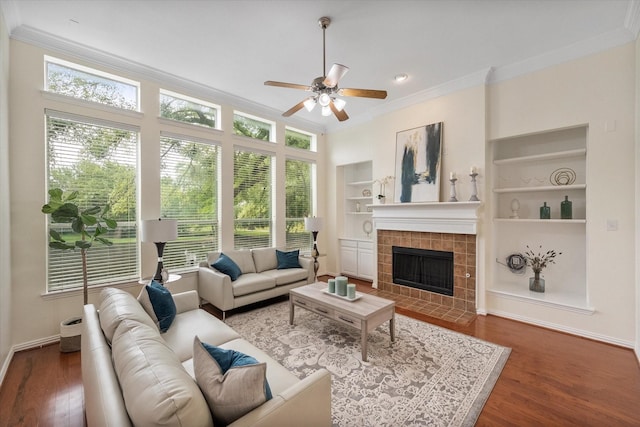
(314, 224)
(159, 231)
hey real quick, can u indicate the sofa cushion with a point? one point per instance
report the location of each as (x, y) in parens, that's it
(287, 276)
(232, 382)
(117, 305)
(157, 390)
(227, 266)
(264, 259)
(244, 259)
(253, 282)
(288, 259)
(158, 302)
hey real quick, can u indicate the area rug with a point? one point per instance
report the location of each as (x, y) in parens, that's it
(429, 376)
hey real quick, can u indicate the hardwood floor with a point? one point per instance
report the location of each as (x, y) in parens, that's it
(550, 379)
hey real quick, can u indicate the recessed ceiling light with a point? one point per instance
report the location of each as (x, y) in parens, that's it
(401, 77)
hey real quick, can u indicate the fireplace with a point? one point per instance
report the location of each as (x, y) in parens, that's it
(424, 269)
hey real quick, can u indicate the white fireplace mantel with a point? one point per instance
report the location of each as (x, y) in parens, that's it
(436, 217)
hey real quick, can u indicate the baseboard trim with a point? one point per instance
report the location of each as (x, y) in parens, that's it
(41, 342)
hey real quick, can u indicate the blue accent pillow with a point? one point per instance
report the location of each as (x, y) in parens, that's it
(163, 305)
(288, 259)
(228, 359)
(226, 265)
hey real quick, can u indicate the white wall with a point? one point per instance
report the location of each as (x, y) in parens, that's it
(597, 90)
(637, 192)
(36, 316)
(5, 224)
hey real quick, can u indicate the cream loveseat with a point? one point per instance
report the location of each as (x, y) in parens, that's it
(134, 375)
(260, 279)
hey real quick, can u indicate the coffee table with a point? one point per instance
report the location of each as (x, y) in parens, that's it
(365, 313)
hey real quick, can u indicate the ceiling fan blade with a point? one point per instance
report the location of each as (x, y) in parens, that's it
(340, 114)
(288, 85)
(364, 93)
(336, 72)
(294, 109)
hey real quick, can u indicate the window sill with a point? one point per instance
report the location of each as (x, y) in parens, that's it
(95, 289)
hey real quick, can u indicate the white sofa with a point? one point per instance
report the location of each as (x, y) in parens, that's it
(134, 375)
(260, 279)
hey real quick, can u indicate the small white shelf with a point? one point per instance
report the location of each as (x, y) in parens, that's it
(542, 188)
(368, 198)
(359, 213)
(542, 221)
(546, 156)
(558, 300)
(360, 183)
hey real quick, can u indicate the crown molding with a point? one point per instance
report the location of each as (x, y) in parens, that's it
(170, 81)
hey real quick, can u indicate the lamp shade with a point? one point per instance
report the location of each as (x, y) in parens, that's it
(313, 224)
(159, 230)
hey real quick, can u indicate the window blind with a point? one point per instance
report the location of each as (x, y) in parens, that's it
(99, 162)
(252, 200)
(189, 194)
(298, 175)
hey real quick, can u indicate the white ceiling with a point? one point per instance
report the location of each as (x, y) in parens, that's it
(235, 45)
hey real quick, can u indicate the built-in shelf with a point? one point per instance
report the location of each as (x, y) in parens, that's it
(558, 300)
(360, 183)
(540, 157)
(367, 198)
(358, 213)
(541, 188)
(542, 221)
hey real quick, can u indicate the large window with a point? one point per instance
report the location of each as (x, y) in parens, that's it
(188, 110)
(84, 83)
(97, 159)
(189, 192)
(298, 203)
(252, 200)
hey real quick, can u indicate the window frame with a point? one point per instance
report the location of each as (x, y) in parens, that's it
(197, 101)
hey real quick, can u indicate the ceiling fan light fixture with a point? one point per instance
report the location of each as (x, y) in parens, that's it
(324, 99)
(400, 77)
(339, 103)
(309, 104)
(326, 111)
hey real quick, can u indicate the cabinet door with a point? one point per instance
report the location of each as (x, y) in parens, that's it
(365, 263)
(349, 259)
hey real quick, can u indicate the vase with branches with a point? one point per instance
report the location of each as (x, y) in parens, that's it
(538, 261)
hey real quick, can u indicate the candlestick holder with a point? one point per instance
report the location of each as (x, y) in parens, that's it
(474, 188)
(452, 192)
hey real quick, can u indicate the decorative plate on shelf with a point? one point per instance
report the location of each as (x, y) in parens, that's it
(563, 176)
(366, 193)
(367, 227)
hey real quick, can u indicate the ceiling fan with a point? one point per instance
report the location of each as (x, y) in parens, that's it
(325, 88)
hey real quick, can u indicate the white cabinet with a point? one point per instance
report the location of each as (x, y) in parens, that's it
(526, 172)
(356, 258)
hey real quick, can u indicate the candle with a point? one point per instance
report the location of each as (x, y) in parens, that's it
(341, 286)
(332, 285)
(351, 291)
(452, 175)
(473, 170)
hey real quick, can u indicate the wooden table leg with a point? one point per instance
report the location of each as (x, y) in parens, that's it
(392, 326)
(364, 340)
(291, 309)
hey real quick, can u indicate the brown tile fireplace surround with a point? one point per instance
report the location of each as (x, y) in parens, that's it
(447, 227)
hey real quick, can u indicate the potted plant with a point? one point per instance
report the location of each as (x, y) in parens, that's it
(88, 224)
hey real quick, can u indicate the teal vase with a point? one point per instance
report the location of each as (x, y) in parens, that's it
(545, 211)
(566, 208)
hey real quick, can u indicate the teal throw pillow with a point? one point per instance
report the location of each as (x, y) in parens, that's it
(226, 265)
(288, 259)
(233, 383)
(158, 303)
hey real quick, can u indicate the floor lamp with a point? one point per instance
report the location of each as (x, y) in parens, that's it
(314, 224)
(159, 231)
